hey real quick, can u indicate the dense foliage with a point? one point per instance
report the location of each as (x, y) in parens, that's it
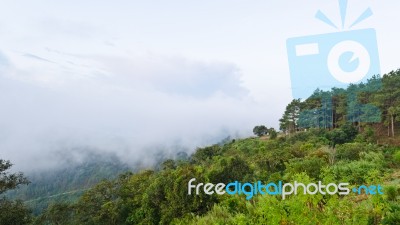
(67, 183)
(344, 145)
(376, 101)
(161, 197)
(12, 212)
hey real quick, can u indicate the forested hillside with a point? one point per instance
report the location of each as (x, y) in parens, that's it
(67, 183)
(161, 197)
(343, 135)
(375, 103)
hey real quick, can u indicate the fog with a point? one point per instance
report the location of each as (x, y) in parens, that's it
(134, 108)
(138, 77)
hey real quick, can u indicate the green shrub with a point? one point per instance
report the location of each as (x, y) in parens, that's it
(350, 151)
(391, 193)
(396, 157)
(311, 166)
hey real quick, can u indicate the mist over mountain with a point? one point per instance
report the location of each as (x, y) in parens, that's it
(78, 171)
(135, 109)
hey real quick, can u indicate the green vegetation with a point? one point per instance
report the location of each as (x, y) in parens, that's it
(354, 143)
(374, 102)
(260, 130)
(12, 212)
(160, 197)
(67, 183)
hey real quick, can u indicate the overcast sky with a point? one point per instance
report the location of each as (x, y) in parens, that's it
(123, 76)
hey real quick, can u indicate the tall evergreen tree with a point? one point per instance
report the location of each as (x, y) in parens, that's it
(289, 120)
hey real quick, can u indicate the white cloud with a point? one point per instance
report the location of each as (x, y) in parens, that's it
(130, 109)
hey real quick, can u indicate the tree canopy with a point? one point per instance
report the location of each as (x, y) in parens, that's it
(12, 212)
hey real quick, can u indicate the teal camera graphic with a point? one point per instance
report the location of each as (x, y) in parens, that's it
(334, 60)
